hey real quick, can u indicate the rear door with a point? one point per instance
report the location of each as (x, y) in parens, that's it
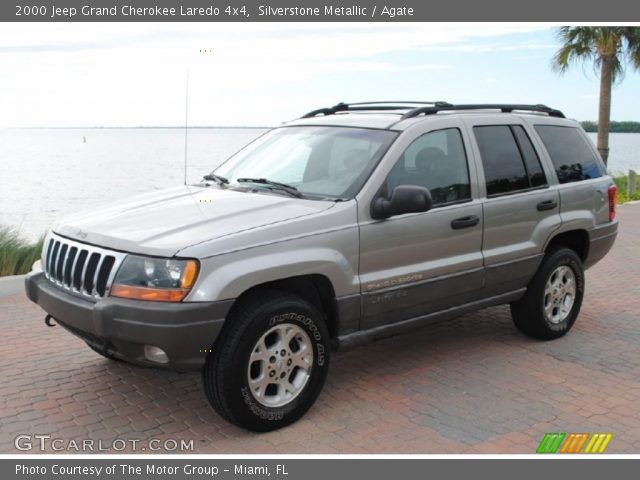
(520, 204)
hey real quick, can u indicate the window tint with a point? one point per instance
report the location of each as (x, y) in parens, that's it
(436, 160)
(436, 139)
(570, 153)
(504, 168)
(531, 160)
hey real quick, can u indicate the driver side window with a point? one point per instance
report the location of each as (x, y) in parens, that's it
(437, 161)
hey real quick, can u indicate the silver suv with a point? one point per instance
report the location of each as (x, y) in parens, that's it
(349, 224)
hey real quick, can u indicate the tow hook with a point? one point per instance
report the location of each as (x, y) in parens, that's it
(49, 321)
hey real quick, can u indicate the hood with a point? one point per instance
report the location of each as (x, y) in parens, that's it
(166, 221)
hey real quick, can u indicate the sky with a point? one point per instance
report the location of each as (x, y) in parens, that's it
(255, 74)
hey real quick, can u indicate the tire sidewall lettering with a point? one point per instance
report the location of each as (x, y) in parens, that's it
(270, 415)
(310, 326)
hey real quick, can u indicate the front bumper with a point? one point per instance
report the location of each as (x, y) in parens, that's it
(122, 327)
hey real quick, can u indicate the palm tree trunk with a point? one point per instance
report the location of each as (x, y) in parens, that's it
(604, 111)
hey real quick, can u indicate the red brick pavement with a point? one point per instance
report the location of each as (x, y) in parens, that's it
(471, 385)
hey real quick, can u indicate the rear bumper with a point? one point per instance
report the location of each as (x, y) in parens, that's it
(601, 239)
(121, 327)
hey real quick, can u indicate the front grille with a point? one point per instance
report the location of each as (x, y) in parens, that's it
(82, 269)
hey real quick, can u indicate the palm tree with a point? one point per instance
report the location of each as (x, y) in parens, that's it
(610, 49)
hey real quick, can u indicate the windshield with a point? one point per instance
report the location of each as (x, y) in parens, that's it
(319, 162)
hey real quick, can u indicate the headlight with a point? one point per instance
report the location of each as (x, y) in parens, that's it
(156, 279)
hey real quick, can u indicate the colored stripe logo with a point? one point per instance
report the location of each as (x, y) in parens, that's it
(561, 442)
(598, 443)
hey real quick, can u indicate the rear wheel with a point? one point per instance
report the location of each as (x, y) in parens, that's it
(553, 299)
(269, 365)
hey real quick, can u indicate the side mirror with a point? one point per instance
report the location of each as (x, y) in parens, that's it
(404, 199)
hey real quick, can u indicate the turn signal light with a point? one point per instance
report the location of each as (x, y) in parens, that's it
(189, 274)
(147, 293)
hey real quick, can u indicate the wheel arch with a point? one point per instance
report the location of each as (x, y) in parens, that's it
(316, 289)
(576, 240)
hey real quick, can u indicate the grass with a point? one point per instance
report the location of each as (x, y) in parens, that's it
(622, 182)
(16, 254)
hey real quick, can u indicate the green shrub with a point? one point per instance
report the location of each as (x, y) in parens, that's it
(16, 254)
(622, 182)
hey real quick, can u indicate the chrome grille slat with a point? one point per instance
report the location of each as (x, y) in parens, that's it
(85, 274)
(66, 260)
(47, 260)
(73, 269)
(103, 274)
(54, 260)
(62, 256)
(111, 277)
(94, 287)
(84, 271)
(67, 264)
(82, 259)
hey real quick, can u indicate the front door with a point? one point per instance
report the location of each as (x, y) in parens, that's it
(418, 263)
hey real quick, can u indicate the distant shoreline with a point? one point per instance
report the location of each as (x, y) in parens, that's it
(614, 127)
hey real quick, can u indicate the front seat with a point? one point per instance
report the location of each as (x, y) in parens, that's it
(433, 173)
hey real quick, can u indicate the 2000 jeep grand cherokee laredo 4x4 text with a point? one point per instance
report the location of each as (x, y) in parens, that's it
(352, 223)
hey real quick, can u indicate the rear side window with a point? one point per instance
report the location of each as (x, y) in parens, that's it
(531, 160)
(570, 153)
(509, 160)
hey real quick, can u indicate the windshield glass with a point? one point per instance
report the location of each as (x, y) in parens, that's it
(320, 162)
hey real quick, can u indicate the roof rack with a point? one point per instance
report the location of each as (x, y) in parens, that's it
(372, 106)
(505, 108)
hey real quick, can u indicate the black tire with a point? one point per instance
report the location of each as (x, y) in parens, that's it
(104, 354)
(528, 313)
(226, 374)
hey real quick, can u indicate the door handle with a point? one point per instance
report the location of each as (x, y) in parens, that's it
(547, 205)
(465, 222)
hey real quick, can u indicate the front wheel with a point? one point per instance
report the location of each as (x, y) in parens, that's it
(269, 365)
(552, 302)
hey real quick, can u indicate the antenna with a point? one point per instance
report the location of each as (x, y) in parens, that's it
(186, 126)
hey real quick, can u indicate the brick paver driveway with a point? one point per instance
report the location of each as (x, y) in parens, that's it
(469, 385)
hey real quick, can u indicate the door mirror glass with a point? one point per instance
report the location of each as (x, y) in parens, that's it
(404, 199)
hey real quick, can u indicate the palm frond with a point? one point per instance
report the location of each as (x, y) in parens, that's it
(631, 38)
(577, 46)
(620, 45)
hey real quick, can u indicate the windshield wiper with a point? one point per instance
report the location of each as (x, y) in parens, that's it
(216, 178)
(291, 190)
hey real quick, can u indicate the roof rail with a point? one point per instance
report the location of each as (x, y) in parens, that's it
(371, 106)
(503, 107)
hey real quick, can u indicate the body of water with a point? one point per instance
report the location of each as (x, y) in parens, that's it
(49, 173)
(46, 174)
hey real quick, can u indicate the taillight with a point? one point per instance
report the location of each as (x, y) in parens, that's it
(612, 202)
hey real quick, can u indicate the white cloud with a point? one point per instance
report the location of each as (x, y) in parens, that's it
(489, 47)
(134, 73)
